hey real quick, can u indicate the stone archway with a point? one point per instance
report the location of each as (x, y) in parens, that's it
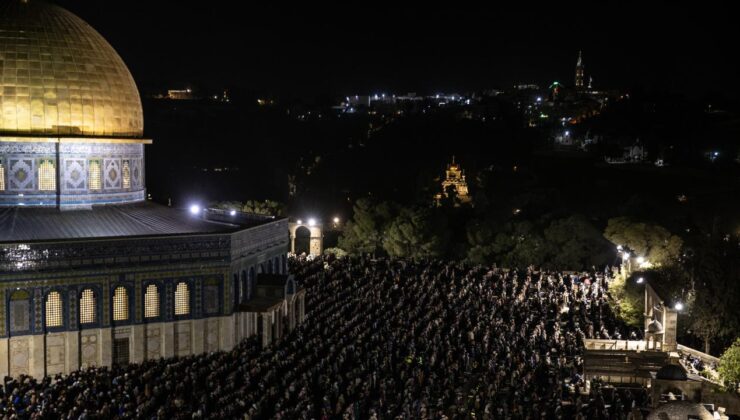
(315, 236)
(302, 240)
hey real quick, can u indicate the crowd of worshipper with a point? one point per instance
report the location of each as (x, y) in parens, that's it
(382, 339)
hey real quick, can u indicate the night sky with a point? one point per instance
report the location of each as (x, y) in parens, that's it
(344, 50)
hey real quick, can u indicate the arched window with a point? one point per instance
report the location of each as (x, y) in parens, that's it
(243, 287)
(20, 311)
(182, 299)
(47, 175)
(94, 175)
(53, 309)
(87, 306)
(126, 171)
(2, 176)
(151, 302)
(120, 304)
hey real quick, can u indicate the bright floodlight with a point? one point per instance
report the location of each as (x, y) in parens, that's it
(678, 306)
(336, 220)
(640, 280)
(194, 209)
(312, 222)
(232, 213)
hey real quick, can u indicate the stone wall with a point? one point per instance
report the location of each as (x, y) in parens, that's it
(52, 353)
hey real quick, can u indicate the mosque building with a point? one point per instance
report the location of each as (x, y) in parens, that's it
(91, 273)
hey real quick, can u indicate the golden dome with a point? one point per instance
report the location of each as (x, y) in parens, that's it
(59, 77)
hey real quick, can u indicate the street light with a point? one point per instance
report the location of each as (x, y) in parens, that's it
(640, 280)
(232, 213)
(312, 222)
(336, 220)
(678, 306)
(194, 209)
(300, 222)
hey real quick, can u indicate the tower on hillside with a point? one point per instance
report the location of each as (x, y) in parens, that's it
(455, 179)
(579, 72)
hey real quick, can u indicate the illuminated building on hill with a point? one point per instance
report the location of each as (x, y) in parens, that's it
(579, 72)
(455, 180)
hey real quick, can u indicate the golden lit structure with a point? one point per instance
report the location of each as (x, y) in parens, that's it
(61, 78)
(68, 108)
(109, 278)
(455, 179)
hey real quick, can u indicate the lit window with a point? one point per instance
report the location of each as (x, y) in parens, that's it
(19, 311)
(120, 304)
(182, 299)
(47, 176)
(2, 177)
(53, 309)
(93, 175)
(126, 170)
(87, 306)
(151, 302)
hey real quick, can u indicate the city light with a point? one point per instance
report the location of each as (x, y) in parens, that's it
(232, 213)
(643, 263)
(194, 209)
(640, 280)
(336, 220)
(678, 306)
(300, 222)
(312, 222)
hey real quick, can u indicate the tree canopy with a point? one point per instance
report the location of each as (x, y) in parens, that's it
(266, 207)
(364, 233)
(729, 364)
(652, 242)
(416, 233)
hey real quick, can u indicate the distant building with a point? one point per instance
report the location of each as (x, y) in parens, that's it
(526, 86)
(180, 94)
(455, 178)
(579, 72)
